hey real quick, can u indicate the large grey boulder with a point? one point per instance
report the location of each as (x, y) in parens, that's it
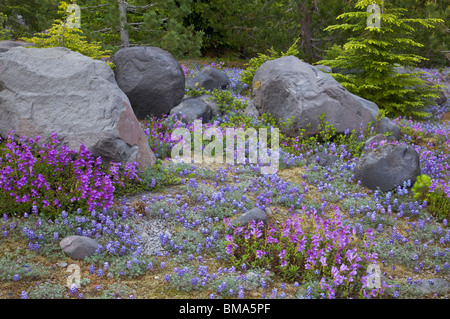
(78, 247)
(288, 87)
(58, 90)
(388, 166)
(152, 79)
(192, 109)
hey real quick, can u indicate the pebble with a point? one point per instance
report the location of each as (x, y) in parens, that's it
(149, 229)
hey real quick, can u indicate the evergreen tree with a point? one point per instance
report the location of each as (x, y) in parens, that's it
(3, 33)
(61, 34)
(435, 41)
(255, 26)
(120, 23)
(27, 17)
(374, 52)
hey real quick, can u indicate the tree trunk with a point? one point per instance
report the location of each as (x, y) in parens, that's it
(306, 32)
(124, 38)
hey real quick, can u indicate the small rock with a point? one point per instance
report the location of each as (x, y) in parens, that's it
(323, 159)
(63, 265)
(192, 109)
(255, 214)
(218, 75)
(387, 125)
(203, 80)
(78, 247)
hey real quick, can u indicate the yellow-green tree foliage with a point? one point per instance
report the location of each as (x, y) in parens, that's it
(61, 35)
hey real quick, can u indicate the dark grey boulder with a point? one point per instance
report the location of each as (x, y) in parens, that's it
(255, 214)
(152, 79)
(387, 125)
(220, 76)
(322, 159)
(78, 247)
(203, 81)
(193, 109)
(388, 166)
(288, 87)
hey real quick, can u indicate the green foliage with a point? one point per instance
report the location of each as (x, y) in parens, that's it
(227, 103)
(431, 190)
(60, 35)
(27, 17)
(374, 52)
(248, 27)
(254, 64)
(156, 178)
(3, 34)
(435, 41)
(21, 265)
(47, 290)
(152, 23)
(420, 187)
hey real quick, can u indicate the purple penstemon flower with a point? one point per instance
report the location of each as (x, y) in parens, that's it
(260, 253)
(271, 240)
(323, 261)
(229, 247)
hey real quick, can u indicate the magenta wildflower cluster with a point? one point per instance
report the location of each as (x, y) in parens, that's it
(330, 251)
(50, 179)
